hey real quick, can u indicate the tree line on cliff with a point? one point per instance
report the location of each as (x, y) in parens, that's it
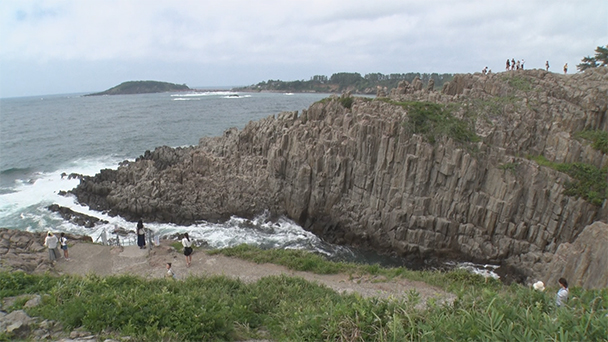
(348, 81)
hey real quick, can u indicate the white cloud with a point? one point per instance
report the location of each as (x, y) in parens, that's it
(295, 36)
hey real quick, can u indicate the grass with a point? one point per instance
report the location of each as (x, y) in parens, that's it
(589, 181)
(284, 308)
(434, 120)
(298, 260)
(520, 83)
(508, 167)
(599, 139)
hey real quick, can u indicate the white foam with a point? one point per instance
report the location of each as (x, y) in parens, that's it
(43, 188)
(206, 93)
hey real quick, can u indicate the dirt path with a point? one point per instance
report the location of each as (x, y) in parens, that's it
(86, 258)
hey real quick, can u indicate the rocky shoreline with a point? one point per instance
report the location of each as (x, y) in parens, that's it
(354, 172)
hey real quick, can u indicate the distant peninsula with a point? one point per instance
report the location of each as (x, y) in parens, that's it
(142, 87)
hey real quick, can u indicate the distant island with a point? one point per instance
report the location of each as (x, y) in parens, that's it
(347, 81)
(142, 87)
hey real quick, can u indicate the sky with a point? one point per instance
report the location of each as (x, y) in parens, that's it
(78, 46)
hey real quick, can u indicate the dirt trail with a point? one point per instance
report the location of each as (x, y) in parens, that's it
(86, 258)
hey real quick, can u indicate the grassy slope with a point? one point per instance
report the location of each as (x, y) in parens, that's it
(285, 308)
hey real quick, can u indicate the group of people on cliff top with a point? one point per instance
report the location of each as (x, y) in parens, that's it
(519, 65)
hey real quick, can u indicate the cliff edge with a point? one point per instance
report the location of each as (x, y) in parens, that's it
(500, 168)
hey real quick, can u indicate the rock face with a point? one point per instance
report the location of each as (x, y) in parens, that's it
(583, 262)
(354, 172)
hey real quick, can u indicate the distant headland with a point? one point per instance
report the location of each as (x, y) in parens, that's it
(142, 87)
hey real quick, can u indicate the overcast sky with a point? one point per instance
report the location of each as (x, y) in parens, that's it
(71, 46)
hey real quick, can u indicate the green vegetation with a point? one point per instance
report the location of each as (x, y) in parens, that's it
(346, 101)
(283, 308)
(348, 81)
(520, 83)
(508, 167)
(435, 120)
(600, 59)
(599, 139)
(142, 87)
(589, 181)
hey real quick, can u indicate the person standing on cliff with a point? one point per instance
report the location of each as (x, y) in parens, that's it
(187, 249)
(508, 64)
(141, 234)
(51, 243)
(565, 68)
(63, 241)
(547, 65)
(562, 294)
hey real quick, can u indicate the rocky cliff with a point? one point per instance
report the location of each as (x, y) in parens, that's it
(493, 168)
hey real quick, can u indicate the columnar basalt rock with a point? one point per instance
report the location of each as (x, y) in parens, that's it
(359, 176)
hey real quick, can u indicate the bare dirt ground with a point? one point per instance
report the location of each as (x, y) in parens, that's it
(87, 258)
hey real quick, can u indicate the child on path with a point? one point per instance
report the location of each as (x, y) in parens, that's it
(64, 245)
(170, 273)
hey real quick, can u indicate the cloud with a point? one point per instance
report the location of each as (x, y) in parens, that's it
(298, 36)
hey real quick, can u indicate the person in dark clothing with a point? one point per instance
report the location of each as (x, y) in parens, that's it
(141, 235)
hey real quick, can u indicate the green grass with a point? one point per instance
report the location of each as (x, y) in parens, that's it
(599, 139)
(298, 260)
(284, 308)
(520, 83)
(346, 101)
(433, 120)
(508, 167)
(589, 181)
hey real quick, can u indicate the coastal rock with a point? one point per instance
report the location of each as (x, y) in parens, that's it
(358, 174)
(584, 261)
(75, 217)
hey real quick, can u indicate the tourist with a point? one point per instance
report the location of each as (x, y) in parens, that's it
(518, 65)
(141, 235)
(562, 294)
(51, 243)
(484, 71)
(547, 65)
(63, 241)
(508, 65)
(522, 64)
(170, 273)
(512, 63)
(187, 249)
(565, 68)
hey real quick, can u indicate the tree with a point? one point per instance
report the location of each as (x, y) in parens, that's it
(600, 59)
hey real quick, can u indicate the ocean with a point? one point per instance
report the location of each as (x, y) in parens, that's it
(44, 136)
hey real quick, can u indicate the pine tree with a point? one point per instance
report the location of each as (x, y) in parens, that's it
(600, 59)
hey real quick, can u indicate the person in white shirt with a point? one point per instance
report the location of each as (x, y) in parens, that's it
(170, 273)
(187, 249)
(51, 243)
